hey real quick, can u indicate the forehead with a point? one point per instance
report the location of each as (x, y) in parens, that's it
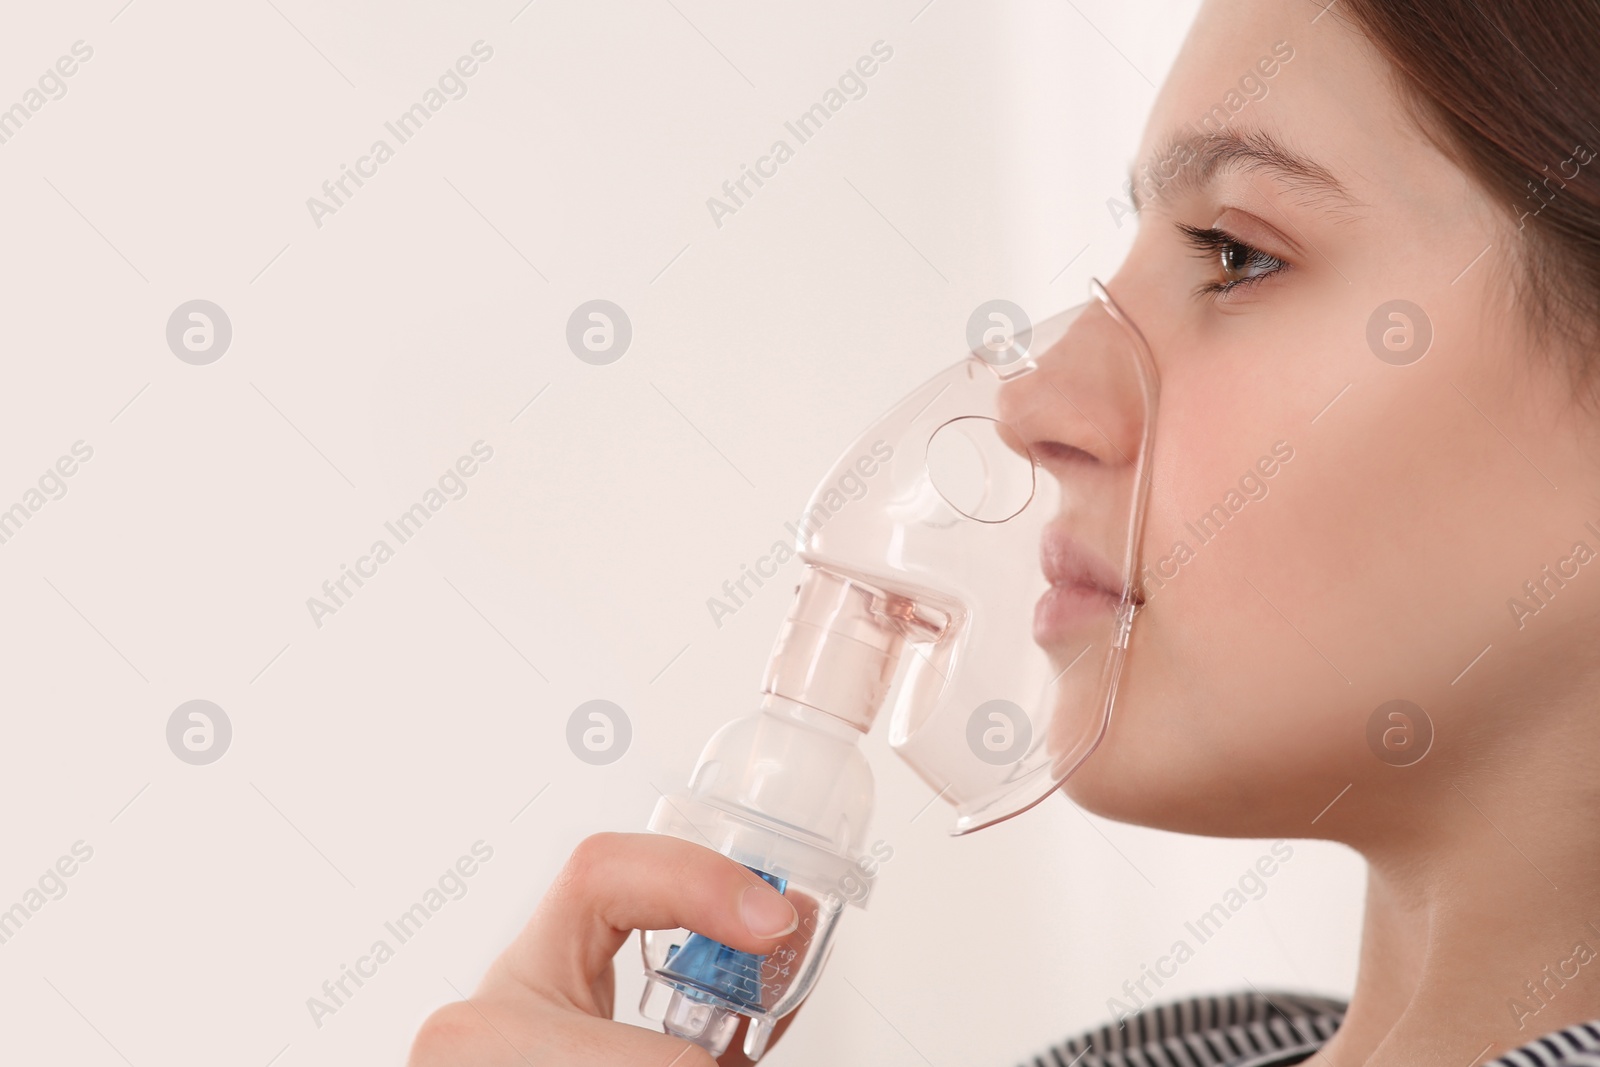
(1309, 80)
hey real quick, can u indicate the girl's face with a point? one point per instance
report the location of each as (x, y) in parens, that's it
(1329, 298)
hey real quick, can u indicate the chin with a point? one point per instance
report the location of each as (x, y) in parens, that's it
(1139, 795)
(1161, 787)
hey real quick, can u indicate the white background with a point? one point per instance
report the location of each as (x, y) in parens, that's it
(367, 354)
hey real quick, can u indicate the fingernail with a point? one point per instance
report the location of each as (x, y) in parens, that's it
(766, 914)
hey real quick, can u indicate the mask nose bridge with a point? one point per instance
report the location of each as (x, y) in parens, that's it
(1082, 401)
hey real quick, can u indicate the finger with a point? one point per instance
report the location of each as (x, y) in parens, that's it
(615, 883)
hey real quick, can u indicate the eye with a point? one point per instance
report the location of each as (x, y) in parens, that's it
(1238, 264)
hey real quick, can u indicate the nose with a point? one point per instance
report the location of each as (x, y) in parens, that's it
(1088, 403)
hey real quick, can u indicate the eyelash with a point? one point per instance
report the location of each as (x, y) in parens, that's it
(1211, 242)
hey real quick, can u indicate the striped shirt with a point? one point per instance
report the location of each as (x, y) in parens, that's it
(1253, 1029)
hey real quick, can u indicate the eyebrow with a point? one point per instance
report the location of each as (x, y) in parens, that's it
(1200, 159)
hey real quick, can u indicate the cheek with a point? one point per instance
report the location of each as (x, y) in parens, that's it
(1268, 618)
(1226, 722)
(1223, 701)
(1377, 568)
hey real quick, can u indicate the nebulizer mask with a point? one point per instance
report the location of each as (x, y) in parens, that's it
(982, 587)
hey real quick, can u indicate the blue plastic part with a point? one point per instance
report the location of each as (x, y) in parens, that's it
(711, 972)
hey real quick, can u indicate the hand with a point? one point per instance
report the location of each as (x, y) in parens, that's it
(548, 999)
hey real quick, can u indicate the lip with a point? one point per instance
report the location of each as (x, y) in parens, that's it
(1084, 588)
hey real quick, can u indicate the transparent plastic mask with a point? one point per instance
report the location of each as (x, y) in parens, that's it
(1010, 516)
(971, 558)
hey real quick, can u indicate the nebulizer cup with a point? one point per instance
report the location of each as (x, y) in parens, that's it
(982, 585)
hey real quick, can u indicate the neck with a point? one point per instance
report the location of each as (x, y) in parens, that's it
(1482, 930)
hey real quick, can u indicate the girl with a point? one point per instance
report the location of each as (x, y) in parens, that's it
(1391, 262)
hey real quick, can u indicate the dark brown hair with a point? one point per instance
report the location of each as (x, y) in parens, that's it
(1510, 90)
